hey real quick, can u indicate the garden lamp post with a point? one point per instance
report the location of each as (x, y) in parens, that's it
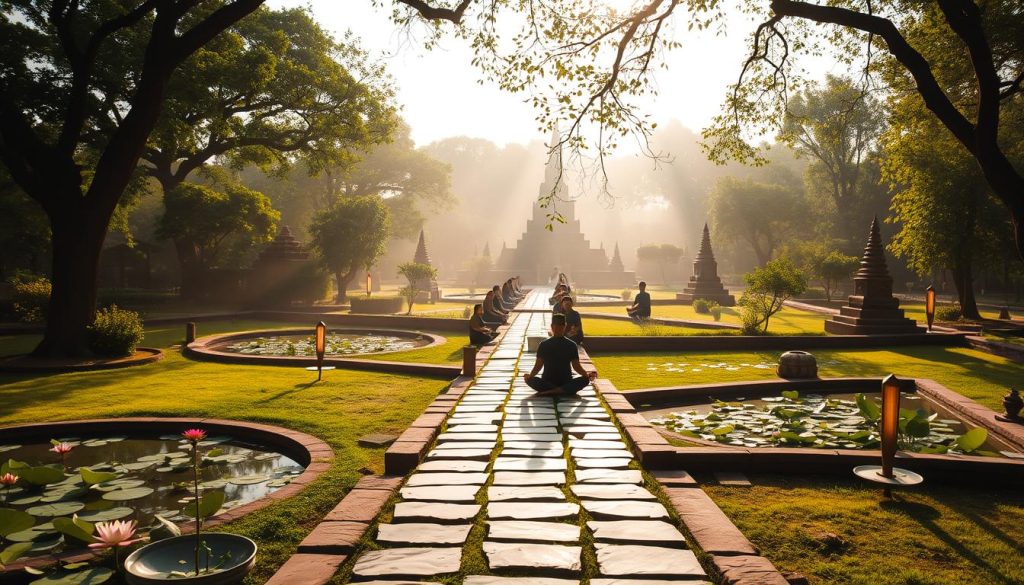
(321, 348)
(369, 282)
(886, 474)
(929, 305)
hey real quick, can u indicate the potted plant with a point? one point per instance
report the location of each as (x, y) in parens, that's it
(209, 558)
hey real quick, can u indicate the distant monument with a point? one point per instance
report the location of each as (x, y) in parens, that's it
(705, 283)
(428, 287)
(872, 309)
(538, 249)
(616, 264)
(273, 277)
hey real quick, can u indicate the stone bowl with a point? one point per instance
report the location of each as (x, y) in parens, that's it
(797, 364)
(154, 563)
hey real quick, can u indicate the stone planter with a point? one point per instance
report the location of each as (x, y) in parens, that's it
(378, 305)
(797, 364)
(155, 562)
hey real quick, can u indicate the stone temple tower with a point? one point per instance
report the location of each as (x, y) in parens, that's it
(422, 257)
(705, 283)
(872, 309)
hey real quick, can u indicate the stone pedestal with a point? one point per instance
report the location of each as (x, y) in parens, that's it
(872, 310)
(705, 283)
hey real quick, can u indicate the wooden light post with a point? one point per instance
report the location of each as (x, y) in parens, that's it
(929, 305)
(887, 474)
(321, 348)
(369, 281)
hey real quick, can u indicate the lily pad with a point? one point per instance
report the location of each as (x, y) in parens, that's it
(5, 448)
(56, 509)
(248, 479)
(128, 494)
(121, 484)
(87, 576)
(107, 515)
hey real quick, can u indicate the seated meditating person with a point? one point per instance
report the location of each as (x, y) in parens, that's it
(507, 298)
(499, 303)
(490, 313)
(556, 355)
(641, 308)
(560, 291)
(479, 331)
(516, 286)
(573, 321)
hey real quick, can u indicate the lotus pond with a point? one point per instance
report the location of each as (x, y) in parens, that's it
(835, 421)
(112, 478)
(337, 344)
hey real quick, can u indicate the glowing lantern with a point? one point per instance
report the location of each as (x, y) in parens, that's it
(321, 348)
(890, 422)
(929, 305)
(369, 281)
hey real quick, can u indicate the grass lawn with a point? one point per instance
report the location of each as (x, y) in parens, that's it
(164, 336)
(939, 535)
(339, 410)
(980, 376)
(786, 322)
(614, 327)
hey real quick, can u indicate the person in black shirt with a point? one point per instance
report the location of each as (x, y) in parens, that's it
(641, 308)
(556, 355)
(479, 332)
(492, 313)
(573, 321)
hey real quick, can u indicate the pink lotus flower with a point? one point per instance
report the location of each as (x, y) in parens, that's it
(62, 448)
(8, 479)
(194, 435)
(115, 534)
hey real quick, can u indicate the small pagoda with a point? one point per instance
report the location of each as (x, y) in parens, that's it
(705, 283)
(615, 265)
(428, 287)
(872, 309)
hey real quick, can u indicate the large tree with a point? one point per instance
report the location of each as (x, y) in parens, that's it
(761, 214)
(77, 104)
(350, 236)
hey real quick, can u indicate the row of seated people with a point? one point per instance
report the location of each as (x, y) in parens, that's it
(494, 311)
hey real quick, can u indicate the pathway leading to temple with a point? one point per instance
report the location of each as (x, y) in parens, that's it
(539, 487)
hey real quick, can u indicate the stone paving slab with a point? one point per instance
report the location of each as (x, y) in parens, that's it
(438, 512)
(478, 454)
(613, 463)
(531, 531)
(448, 437)
(647, 532)
(333, 537)
(625, 560)
(475, 419)
(529, 478)
(534, 445)
(499, 493)
(486, 580)
(467, 445)
(577, 431)
(453, 465)
(503, 463)
(557, 453)
(532, 510)
(584, 421)
(580, 453)
(418, 479)
(443, 493)
(477, 408)
(587, 444)
(419, 533)
(612, 492)
(524, 556)
(748, 570)
(609, 476)
(461, 428)
(616, 581)
(529, 416)
(508, 436)
(602, 437)
(623, 509)
(409, 562)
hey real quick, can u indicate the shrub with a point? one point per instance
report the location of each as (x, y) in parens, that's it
(467, 312)
(627, 294)
(115, 332)
(716, 312)
(31, 298)
(768, 288)
(701, 306)
(948, 312)
(751, 321)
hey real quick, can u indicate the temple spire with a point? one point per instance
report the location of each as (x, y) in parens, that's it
(705, 252)
(616, 263)
(872, 263)
(421, 256)
(487, 249)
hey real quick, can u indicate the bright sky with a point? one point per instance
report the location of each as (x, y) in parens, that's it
(440, 96)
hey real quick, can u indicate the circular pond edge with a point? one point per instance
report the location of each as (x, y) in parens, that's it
(314, 454)
(27, 364)
(206, 347)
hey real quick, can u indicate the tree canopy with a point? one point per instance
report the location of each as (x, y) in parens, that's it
(351, 235)
(760, 214)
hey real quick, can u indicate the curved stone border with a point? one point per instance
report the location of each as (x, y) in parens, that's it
(1009, 351)
(668, 321)
(202, 349)
(952, 468)
(26, 364)
(314, 454)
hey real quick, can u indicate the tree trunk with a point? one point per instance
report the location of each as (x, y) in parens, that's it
(77, 243)
(964, 281)
(342, 281)
(192, 269)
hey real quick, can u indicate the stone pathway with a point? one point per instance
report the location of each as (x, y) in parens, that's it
(552, 482)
